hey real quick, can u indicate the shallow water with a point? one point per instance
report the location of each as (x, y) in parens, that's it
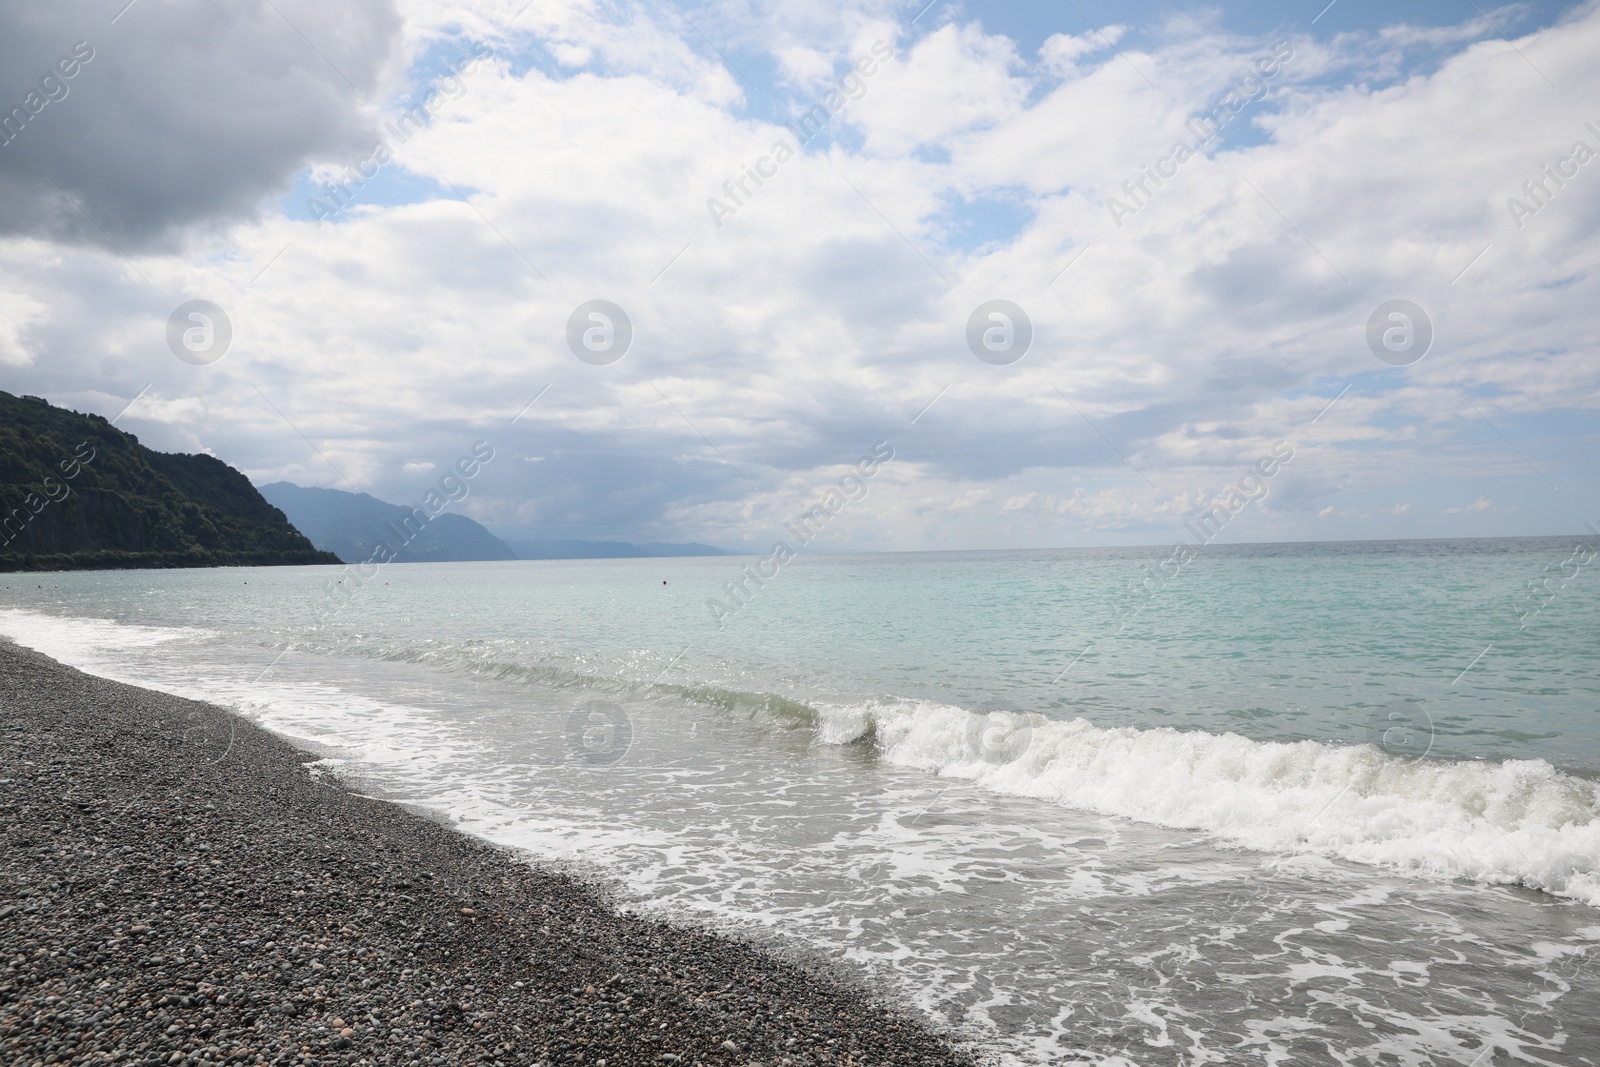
(1272, 818)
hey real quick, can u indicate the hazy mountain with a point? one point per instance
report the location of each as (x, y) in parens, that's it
(607, 549)
(76, 492)
(687, 548)
(350, 525)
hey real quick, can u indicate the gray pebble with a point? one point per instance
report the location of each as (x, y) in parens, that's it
(239, 913)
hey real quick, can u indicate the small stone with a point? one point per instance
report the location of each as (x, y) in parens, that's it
(290, 922)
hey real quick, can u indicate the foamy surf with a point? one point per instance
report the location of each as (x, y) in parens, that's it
(747, 800)
(1516, 822)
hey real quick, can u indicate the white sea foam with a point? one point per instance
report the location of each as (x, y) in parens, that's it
(78, 640)
(972, 906)
(1520, 822)
(1517, 822)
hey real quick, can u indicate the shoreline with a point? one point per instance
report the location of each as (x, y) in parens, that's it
(176, 887)
(60, 562)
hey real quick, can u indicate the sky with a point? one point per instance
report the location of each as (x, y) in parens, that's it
(1070, 272)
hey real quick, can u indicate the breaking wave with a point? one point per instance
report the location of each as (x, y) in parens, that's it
(1518, 822)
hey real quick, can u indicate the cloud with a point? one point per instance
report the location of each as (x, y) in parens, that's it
(831, 308)
(18, 312)
(1060, 52)
(952, 83)
(181, 114)
(805, 67)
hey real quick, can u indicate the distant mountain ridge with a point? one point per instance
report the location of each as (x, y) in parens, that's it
(78, 493)
(608, 549)
(352, 525)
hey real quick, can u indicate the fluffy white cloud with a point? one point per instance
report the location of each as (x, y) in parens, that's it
(830, 307)
(18, 313)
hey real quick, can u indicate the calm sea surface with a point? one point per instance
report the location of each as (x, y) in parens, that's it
(1295, 804)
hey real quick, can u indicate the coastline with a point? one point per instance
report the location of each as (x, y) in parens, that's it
(177, 886)
(31, 563)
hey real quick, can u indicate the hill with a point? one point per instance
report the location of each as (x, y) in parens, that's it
(77, 493)
(607, 549)
(350, 525)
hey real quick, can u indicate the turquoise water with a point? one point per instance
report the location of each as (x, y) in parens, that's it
(1334, 803)
(1285, 642)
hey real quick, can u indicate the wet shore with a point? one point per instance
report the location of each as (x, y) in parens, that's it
(176, 887)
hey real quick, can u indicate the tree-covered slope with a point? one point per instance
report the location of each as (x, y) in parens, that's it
(76, 492)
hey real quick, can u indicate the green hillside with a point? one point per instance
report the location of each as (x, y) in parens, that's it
(76, 493)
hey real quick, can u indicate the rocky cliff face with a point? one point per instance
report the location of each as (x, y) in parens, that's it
(76, 492)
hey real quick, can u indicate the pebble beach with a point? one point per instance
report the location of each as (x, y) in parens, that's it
(179, 886)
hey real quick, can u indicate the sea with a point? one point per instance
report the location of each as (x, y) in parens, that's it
(1284, 804)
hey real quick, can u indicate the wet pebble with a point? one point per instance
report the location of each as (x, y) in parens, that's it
(161, 905)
